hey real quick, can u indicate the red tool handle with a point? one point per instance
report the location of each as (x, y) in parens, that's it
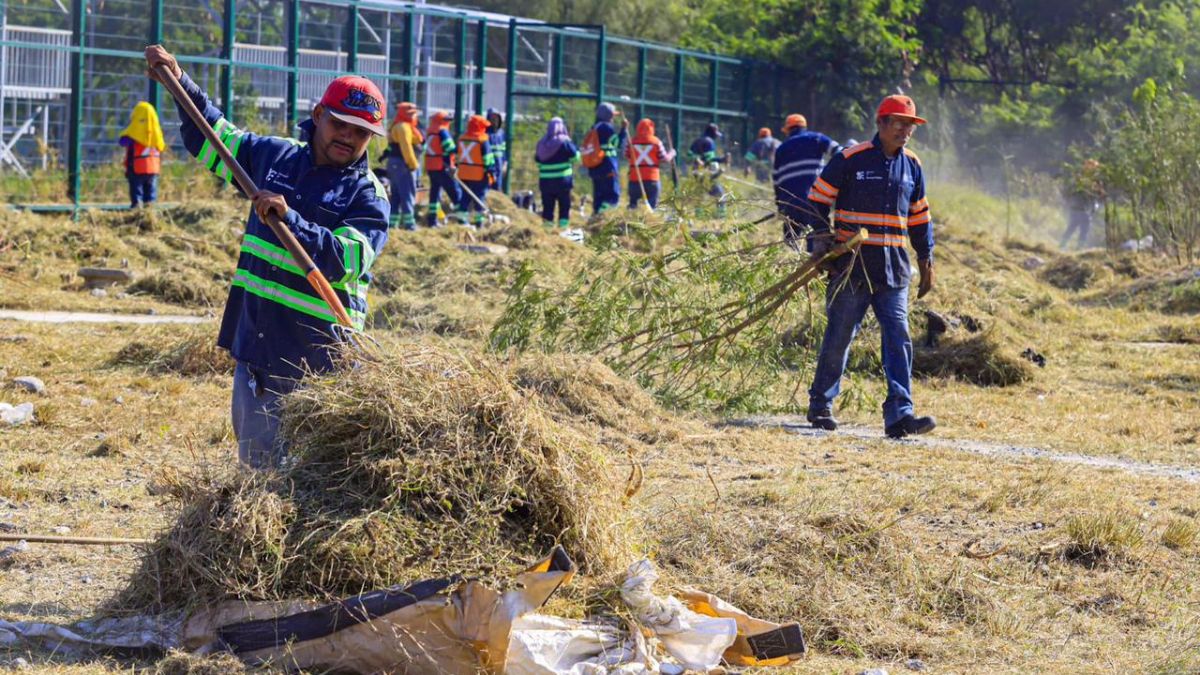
(318, 281)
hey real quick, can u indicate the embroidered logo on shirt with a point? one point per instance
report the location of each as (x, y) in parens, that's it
(279, 179)
(866, 175)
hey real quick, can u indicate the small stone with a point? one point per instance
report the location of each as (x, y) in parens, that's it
(915, 664)
(874, 671)
(1033, 262)
(152, 311)
(9, 554)
(87, 402)
(120, 400)
(14, 415)
(30, 384)
(87, 579)
(61, 529)
(1038, 525)
(99, 293)
(671, 669)
(20, 663)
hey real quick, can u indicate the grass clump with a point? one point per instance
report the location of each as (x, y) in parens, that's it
(1098, 538)
(423, 465)
(181, 287)
(980, 358)
(1180, 534)
(194, 355)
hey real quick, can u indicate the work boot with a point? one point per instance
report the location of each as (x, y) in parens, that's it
(910, 426)
(822, 419)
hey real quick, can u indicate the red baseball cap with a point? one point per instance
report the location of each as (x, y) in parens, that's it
(899, 106)
(355, 100)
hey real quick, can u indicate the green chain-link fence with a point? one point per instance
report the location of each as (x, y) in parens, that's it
(72, 70)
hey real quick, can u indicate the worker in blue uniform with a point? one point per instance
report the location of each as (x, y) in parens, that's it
(798, 162)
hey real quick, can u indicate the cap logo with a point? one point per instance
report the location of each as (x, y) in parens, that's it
(358, 100)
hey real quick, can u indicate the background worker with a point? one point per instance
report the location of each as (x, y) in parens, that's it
(143, 143)
(600, 153)
(498, 139)
(476, 168)
(798, 162)
(760, 157)
(703, 154)
(556, 156)
(404, 143)
(879, 186)
(439, 164)
(645, 153)
(1084, 190)
(327, 196)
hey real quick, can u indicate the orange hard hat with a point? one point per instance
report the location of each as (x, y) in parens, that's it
(899, 106)
(764, 133)
(794, 120)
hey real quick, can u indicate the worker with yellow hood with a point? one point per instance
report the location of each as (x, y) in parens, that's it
(143, 143)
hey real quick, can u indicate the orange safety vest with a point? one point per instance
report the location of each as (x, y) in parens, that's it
(643, 160)
(434, 160)
(470, 160)
(146, 160)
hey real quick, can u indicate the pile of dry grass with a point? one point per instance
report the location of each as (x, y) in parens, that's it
(426, 464)
(984, 358)
(182, 286)
(192, 355)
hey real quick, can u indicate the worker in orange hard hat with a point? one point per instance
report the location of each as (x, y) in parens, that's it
(761, 155)
(798, 162)
(877, 187)
(404, 143)
(476, 168)
(440, 165)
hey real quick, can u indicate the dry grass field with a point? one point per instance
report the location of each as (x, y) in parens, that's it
(885, 552)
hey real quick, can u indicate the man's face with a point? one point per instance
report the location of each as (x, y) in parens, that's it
(337, 143)
(895, 131)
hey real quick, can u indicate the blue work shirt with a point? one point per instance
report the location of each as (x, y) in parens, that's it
(273, 320)
(557, 173)
(798, 162)
(611, 142)
(886, 195)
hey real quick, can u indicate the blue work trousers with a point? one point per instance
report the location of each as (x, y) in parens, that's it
(606, 192)
(404, 192)
(255, 408)
(439, 181)
(845, 306)
(635, 193)
(143, 189)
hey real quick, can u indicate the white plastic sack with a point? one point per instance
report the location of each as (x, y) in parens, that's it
(548, 645)
(696, 641)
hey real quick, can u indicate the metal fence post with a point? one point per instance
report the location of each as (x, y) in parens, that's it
(406, 56)
(352, 34)
(228, 34)
(155, 38)
(293, 61)
(460, 73)
(678, 121)
(641, 82)
(481, 63)
(601, 64)
(714, 74)
(748, 105)
(510, 108)
(75, 133)
(557, 56)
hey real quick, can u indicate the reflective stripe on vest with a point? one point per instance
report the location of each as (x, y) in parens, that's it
(146, 160)
(554, 171)
(471, 160)
(298, 301)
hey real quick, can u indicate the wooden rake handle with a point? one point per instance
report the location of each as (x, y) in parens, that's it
(318, 281)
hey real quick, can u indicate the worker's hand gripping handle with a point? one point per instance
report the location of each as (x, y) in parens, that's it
(318, 281)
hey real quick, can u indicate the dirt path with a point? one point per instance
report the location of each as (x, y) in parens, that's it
(97, 317)
(800, 427)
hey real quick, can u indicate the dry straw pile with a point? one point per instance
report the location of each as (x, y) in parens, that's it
(423, 464)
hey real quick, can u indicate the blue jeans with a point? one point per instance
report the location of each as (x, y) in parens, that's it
(255, 410)
(404, 192)
(845, 307)
(143, 189)
(635, 193)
